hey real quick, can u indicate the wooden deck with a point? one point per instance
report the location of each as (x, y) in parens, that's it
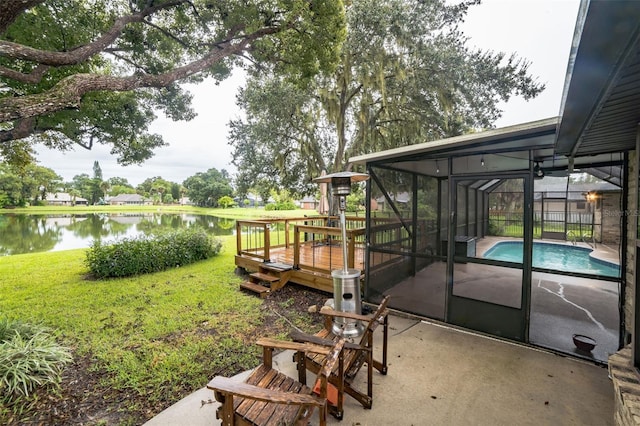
(314, 267)
(306, 253)
(323, 257)
(306, 250)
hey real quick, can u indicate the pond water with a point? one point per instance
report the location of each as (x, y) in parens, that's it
(27, 233)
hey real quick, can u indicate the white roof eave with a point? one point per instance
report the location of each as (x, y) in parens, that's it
(459, 141)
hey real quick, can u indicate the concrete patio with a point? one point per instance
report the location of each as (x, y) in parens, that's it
(444, 376)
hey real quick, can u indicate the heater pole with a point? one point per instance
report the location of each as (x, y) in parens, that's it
(346, 282)
(343, 226)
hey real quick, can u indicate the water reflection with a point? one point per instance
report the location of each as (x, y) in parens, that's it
(25, 233)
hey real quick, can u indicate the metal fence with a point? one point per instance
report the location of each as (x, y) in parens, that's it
(511, 223)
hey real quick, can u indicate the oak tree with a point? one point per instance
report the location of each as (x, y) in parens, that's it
(405, 76)
(205, 188)
(81, 72)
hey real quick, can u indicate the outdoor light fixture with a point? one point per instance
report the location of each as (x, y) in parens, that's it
(346, 282)
(537, 171)
(437, 168)
(482, 160)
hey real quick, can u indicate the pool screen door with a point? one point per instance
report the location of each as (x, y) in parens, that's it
(485, 292)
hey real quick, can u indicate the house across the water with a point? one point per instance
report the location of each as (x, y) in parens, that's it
(64, 199)
(130, 200)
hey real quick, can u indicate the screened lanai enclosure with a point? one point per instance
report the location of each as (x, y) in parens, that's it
(494, 232)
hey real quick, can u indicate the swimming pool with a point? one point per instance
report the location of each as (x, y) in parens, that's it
(554, 256)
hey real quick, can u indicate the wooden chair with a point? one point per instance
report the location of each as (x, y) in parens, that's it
(269, 397)
(355, 354)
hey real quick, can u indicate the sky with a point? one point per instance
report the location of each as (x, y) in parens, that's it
(540, 31)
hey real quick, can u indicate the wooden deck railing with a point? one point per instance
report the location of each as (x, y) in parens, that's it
(257, 238)
(253, 238)
(326, 244)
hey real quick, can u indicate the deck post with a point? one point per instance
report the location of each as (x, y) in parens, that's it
(286, 233)
(267, 356)
(238, 238)
(267, 242)
(296, 247)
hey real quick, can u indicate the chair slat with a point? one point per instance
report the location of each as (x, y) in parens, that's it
(261, 377)
(258, 407)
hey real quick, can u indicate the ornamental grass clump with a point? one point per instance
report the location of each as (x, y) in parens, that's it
(29, 358)
(143, 255)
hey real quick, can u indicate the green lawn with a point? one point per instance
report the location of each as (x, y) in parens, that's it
(160, 335)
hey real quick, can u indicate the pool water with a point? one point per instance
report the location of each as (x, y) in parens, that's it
(554, 256)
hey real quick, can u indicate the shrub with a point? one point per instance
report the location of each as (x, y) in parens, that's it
(143, 255)
(29, 357)
(495, 228)
(282, 201)
(285, 205)
(226, 202)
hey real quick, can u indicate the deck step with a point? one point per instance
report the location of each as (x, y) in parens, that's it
(260, 290)
(276, 266)
(264, 277)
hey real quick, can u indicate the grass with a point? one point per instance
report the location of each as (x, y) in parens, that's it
(160, 335)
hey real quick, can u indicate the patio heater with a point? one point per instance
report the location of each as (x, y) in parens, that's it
(346, 281)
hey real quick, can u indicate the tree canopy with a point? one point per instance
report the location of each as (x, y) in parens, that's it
(405, 76)
(20, 186)
(81, 72)
(205, 189)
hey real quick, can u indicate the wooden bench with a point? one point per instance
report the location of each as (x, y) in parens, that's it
(269, 397)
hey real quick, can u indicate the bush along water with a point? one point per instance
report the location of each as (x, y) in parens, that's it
(29, 358)
(144, 255)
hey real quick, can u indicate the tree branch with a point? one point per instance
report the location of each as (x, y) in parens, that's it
(82, 53)
(126, 60)
(34, 77)
(166, 33)
(22, 129)
(87, 146)
(67, 93)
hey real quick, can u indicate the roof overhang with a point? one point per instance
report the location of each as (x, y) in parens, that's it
(512, 148)
(601, 100)
(539, 133)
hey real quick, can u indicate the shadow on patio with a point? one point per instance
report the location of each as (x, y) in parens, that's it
(443, 376)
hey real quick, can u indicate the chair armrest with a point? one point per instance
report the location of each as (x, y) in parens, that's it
(351, 315)
(230, 386)
(295, 346)
(298, 336)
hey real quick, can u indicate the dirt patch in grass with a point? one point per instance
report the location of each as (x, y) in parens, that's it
(84, 399)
